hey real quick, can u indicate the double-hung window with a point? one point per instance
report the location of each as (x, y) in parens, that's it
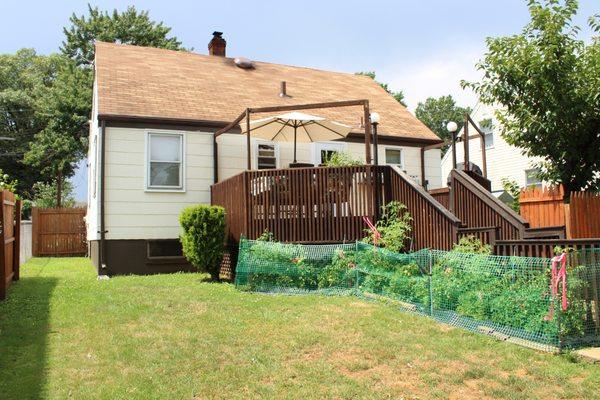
(266, 155)
(165, 162)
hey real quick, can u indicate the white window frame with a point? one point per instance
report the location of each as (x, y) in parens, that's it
(402, 151)
(317, 147)
(487, 145)
(255, 144)
(95, 167)
(539, 184)
(147, 161)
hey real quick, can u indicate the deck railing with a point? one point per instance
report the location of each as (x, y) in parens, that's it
(475, 206)
(327, 204)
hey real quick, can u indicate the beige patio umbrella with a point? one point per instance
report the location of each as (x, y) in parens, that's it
(297, 127)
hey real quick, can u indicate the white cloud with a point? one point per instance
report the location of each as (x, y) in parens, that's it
(435, 76)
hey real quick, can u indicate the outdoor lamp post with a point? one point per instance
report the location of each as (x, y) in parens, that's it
(452, 127)
(375, 121)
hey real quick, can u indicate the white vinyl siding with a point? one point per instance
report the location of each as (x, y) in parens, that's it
(233, 153)
(132, 211)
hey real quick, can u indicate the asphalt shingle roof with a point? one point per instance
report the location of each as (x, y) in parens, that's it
(138, 81)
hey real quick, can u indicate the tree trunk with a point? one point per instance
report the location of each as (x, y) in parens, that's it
(59, 178)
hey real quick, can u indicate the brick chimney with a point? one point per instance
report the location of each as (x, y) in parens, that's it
(216, 46)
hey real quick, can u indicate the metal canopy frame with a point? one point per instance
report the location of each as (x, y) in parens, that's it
(311, 106)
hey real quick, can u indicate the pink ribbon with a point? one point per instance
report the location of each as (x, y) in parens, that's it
(558, 276)
(376, 234)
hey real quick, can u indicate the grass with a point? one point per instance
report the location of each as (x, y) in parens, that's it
(64, 334)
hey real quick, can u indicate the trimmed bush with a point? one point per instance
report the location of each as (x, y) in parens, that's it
(203, 238)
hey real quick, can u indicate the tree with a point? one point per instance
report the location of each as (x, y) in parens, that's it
(63, 141)
(436, 113)
(65, 108)
(45, 194)
(128, 27)
(548, 84)
(24, 79)
(399, 96)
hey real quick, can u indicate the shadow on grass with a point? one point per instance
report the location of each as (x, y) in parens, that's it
(24, 329)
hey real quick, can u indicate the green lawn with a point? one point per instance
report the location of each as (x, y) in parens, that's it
(63, 334)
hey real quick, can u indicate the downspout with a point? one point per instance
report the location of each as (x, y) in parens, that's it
(102, 179)
(215, 160)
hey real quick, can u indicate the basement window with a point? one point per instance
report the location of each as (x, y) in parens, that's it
(165, 162)
(164, 248)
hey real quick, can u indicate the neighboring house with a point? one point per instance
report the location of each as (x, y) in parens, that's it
(155, 113)
(503, 160)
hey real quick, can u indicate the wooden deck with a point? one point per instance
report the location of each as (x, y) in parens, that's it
(327, 205)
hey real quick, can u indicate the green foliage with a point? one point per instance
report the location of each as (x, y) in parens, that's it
(342, 159)
(466, 286)
(203, 238)
(25, 79)
(398, 96)
(128, 27)
(394, 226)
(45, 194)
(547, 82)
(7, 183)
(340, 273)
(471, 244)
(512, 188)
(436, 113)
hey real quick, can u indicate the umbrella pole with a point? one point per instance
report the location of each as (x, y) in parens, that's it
(295, 128)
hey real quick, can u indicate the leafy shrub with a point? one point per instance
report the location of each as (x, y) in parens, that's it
(46, 193)
(471, 244)
(511, 187)
(341, 159)
(393, 226)
(203, 237)
(340, 273)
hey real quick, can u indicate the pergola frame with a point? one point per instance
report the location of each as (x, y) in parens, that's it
(311, 106)
(466, 138)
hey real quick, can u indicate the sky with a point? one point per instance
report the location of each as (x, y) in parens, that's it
(423, 47)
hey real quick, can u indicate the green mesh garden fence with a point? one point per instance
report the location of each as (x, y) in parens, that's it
(508, 298)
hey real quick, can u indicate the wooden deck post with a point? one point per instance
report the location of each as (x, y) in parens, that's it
(367, 119)
(249, 164)
(466, 142)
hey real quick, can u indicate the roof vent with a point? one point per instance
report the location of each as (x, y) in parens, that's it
(244, 63)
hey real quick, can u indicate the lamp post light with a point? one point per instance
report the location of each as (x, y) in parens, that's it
(375, 121)
(452, 127)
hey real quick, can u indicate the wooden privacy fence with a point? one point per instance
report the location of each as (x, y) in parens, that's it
(327, 205)
(545, 208)
(10, 225)
(58, 232)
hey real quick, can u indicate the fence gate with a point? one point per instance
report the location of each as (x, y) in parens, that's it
(58, 232)
(10, 226)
